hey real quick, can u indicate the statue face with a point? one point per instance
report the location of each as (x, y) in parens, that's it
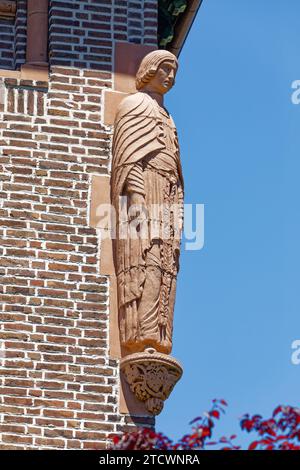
(164, 78)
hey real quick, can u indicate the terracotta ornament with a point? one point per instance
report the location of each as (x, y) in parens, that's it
(151, 377)
(8, 9)
(147, 194)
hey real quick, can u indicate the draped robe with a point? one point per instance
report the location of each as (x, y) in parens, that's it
(146, 161)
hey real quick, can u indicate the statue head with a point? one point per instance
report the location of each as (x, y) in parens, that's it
(157, 72)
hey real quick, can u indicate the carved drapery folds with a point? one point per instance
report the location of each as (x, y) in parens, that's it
(147, 194)
(8, 9)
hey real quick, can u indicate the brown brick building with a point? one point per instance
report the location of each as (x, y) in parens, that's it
(64, 65)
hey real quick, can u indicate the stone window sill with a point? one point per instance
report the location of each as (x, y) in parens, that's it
(27, 72)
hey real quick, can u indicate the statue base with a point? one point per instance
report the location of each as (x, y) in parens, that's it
(151, 377)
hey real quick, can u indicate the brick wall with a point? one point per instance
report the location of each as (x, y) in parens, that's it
(7, 34)
(20, 34)
(58, 387)
(13, 39)
(82, 33)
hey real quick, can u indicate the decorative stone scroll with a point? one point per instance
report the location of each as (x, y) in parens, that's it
(147, 195)
(151, 377)
(8, 9)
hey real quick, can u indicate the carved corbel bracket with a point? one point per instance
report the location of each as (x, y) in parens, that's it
(151, 377)
(8, 9)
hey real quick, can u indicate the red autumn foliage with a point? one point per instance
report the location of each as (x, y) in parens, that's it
(280, 432)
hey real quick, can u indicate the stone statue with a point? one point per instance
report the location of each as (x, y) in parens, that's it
(146, 169)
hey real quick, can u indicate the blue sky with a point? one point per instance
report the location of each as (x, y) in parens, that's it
(238, 299)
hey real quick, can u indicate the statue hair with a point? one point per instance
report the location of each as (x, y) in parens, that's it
(150, 64)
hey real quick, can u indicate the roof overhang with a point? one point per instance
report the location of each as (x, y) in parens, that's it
(178, 17)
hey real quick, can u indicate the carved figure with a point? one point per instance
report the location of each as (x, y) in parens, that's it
(146, 169)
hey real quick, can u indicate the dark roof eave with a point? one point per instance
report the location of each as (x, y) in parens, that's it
(183, 27)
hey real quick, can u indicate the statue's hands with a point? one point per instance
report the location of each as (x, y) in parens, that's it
(136, 206)
(136, 199)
